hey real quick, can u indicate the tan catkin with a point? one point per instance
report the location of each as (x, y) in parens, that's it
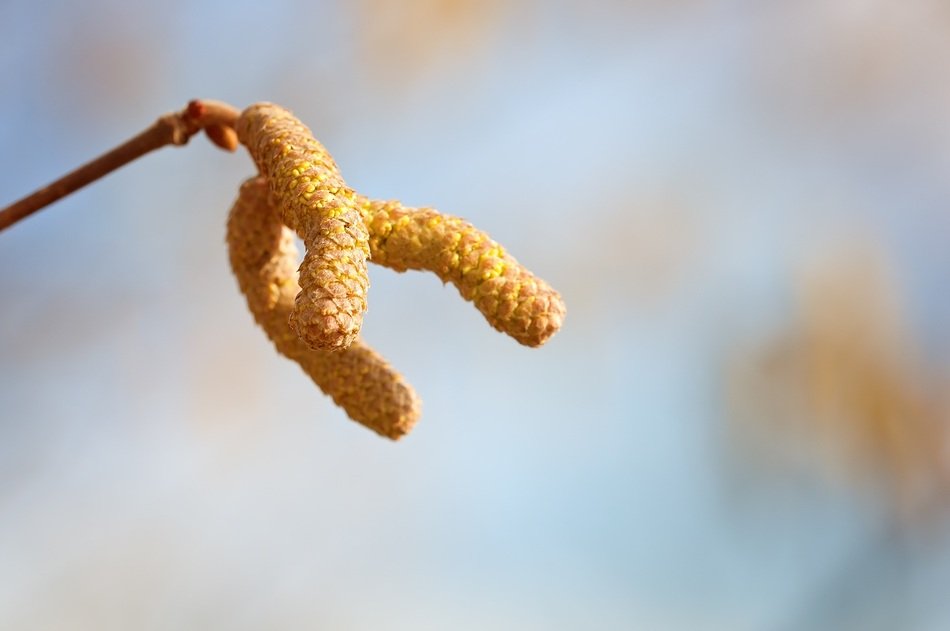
(312, 199)
(264, 257)
(511, 298)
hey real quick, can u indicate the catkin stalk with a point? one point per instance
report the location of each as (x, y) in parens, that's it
(511, 298)
(312, 199)
(264, 257)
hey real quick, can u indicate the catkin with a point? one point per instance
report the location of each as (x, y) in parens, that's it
(342, 228)
(511, 298)
(263, 256)
(312, 199)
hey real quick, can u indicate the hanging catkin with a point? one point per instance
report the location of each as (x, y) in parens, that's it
(312, 199)
(264, 257)
(511, 298)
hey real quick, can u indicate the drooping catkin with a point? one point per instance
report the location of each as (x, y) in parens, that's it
(511, 298)
(313, 200)
(264, 257)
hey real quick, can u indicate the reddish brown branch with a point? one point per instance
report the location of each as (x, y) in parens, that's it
(216, 118)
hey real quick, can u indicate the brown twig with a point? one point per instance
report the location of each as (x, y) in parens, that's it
(177, 128)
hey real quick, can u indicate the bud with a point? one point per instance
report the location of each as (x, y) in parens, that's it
(223, 136)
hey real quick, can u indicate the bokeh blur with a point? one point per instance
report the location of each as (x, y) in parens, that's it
(742, 425)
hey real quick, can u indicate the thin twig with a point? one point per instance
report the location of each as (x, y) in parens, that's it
(216, 118)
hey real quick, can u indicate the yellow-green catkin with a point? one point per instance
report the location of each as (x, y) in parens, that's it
(511, 298)
(264, 257)
(312, 199)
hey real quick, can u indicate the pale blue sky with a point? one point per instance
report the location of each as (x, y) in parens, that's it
(667, 166)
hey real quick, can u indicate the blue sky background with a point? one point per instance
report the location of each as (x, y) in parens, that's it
(692, 176)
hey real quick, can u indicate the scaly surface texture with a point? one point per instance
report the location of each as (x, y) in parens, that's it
(312, 199)
(511, 298)
(264, 257)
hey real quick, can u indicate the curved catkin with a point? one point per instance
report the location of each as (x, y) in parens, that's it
(511, 298)
(264, 257)
(312, 198)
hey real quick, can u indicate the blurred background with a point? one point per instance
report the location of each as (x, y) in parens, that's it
(742, 425)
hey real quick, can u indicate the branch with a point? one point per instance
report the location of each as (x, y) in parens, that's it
(217, 119)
